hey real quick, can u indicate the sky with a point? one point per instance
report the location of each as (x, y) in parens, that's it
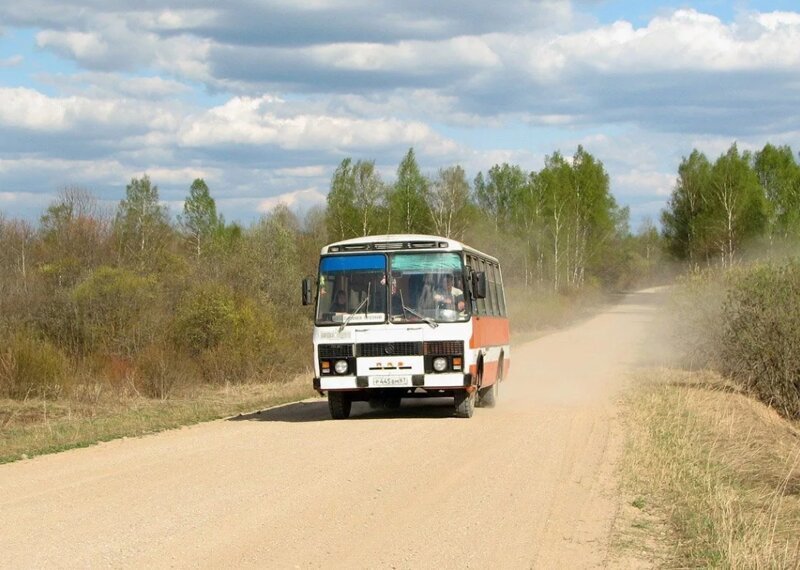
(264, 98)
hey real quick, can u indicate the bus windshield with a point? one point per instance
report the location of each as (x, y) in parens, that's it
(427, 286)
(352, 288)
(422, 287)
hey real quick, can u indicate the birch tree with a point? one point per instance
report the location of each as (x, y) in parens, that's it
(408, 210)
(449, 202)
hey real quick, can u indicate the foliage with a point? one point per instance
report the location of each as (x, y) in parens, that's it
(408, 203)
(31, 367)
(200, 221)
(141, 225)
(110, 307)
(761, 334)
(716, 210)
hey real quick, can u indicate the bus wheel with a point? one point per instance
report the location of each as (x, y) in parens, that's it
(339, 404)
(464, 403)
(488, 396)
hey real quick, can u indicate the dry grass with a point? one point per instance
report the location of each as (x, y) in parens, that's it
(720, 469)
(35, 426)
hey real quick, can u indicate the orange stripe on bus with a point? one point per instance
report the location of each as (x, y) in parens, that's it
(489, 331)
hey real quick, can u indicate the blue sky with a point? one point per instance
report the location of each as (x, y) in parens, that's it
(264, 98)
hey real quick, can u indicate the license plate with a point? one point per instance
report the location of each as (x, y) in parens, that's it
(390, 381)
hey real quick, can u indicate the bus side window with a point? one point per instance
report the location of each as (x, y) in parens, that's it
(479, 265)
(492, 288)
(472, 264)
(501, 294)
(491, 293)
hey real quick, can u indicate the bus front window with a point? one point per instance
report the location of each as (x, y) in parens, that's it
(352, 288)
(427, 286)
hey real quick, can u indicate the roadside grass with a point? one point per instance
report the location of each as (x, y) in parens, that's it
(711, 477)
(35, 427)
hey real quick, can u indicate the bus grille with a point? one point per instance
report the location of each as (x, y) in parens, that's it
(390, 349)
(444, 347)
(335, 350)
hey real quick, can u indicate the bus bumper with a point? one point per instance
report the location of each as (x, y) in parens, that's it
(434, 381)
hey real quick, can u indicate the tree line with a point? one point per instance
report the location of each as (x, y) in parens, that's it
(556, 227)
(741, 199)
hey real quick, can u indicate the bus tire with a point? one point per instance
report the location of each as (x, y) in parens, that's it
(464, 403)
(488, 396)
(339, 404)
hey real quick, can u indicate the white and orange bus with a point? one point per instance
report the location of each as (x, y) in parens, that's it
(408, 316)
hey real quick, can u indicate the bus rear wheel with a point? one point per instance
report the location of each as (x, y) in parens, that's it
(464, 403)
(339, 404)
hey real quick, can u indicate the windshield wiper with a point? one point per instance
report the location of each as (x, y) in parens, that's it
(428, 320)
(354, 313)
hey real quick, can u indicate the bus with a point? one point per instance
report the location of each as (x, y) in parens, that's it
(408, 316)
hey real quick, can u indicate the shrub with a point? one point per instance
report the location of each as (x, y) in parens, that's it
(111, 304)
(30, 367)
(760, 337)
(159, 371)
(232, 336)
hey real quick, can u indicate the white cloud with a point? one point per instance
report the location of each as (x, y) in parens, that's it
(298, 200)
(12, 61)
(409, 56)
(260, 121)
(643, 183)
(29, 109)
(304, 171)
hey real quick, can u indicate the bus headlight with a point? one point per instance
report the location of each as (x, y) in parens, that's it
(440, 364)
(340, 367)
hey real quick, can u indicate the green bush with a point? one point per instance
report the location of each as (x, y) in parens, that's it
(30, 367)
(232, 336)
(111, 305)
(760, 336)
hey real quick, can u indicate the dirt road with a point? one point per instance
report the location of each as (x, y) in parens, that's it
(528, 484)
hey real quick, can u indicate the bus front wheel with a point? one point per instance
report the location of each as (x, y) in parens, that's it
(339, 404)
(464, 403)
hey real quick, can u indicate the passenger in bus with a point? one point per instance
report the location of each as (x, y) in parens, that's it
(450, 297)
(339, 304)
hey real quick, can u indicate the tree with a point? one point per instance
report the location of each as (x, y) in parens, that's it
(342, 217)
(141, 224)
(736, 203)
(684, 218)
(528, 220)
(497, 193)
(555, 183)
(200, 221)
(74, 235)
(368, 191)
(779, 176)
(449, 202)
(407, 199)
(595, 214)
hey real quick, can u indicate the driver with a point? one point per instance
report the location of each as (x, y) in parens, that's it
(451, 297)
(339, 304)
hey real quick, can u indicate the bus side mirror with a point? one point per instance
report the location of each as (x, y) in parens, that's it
(307, 297)
(479, 284)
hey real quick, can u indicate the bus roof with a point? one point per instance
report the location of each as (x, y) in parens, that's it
(400, 242)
